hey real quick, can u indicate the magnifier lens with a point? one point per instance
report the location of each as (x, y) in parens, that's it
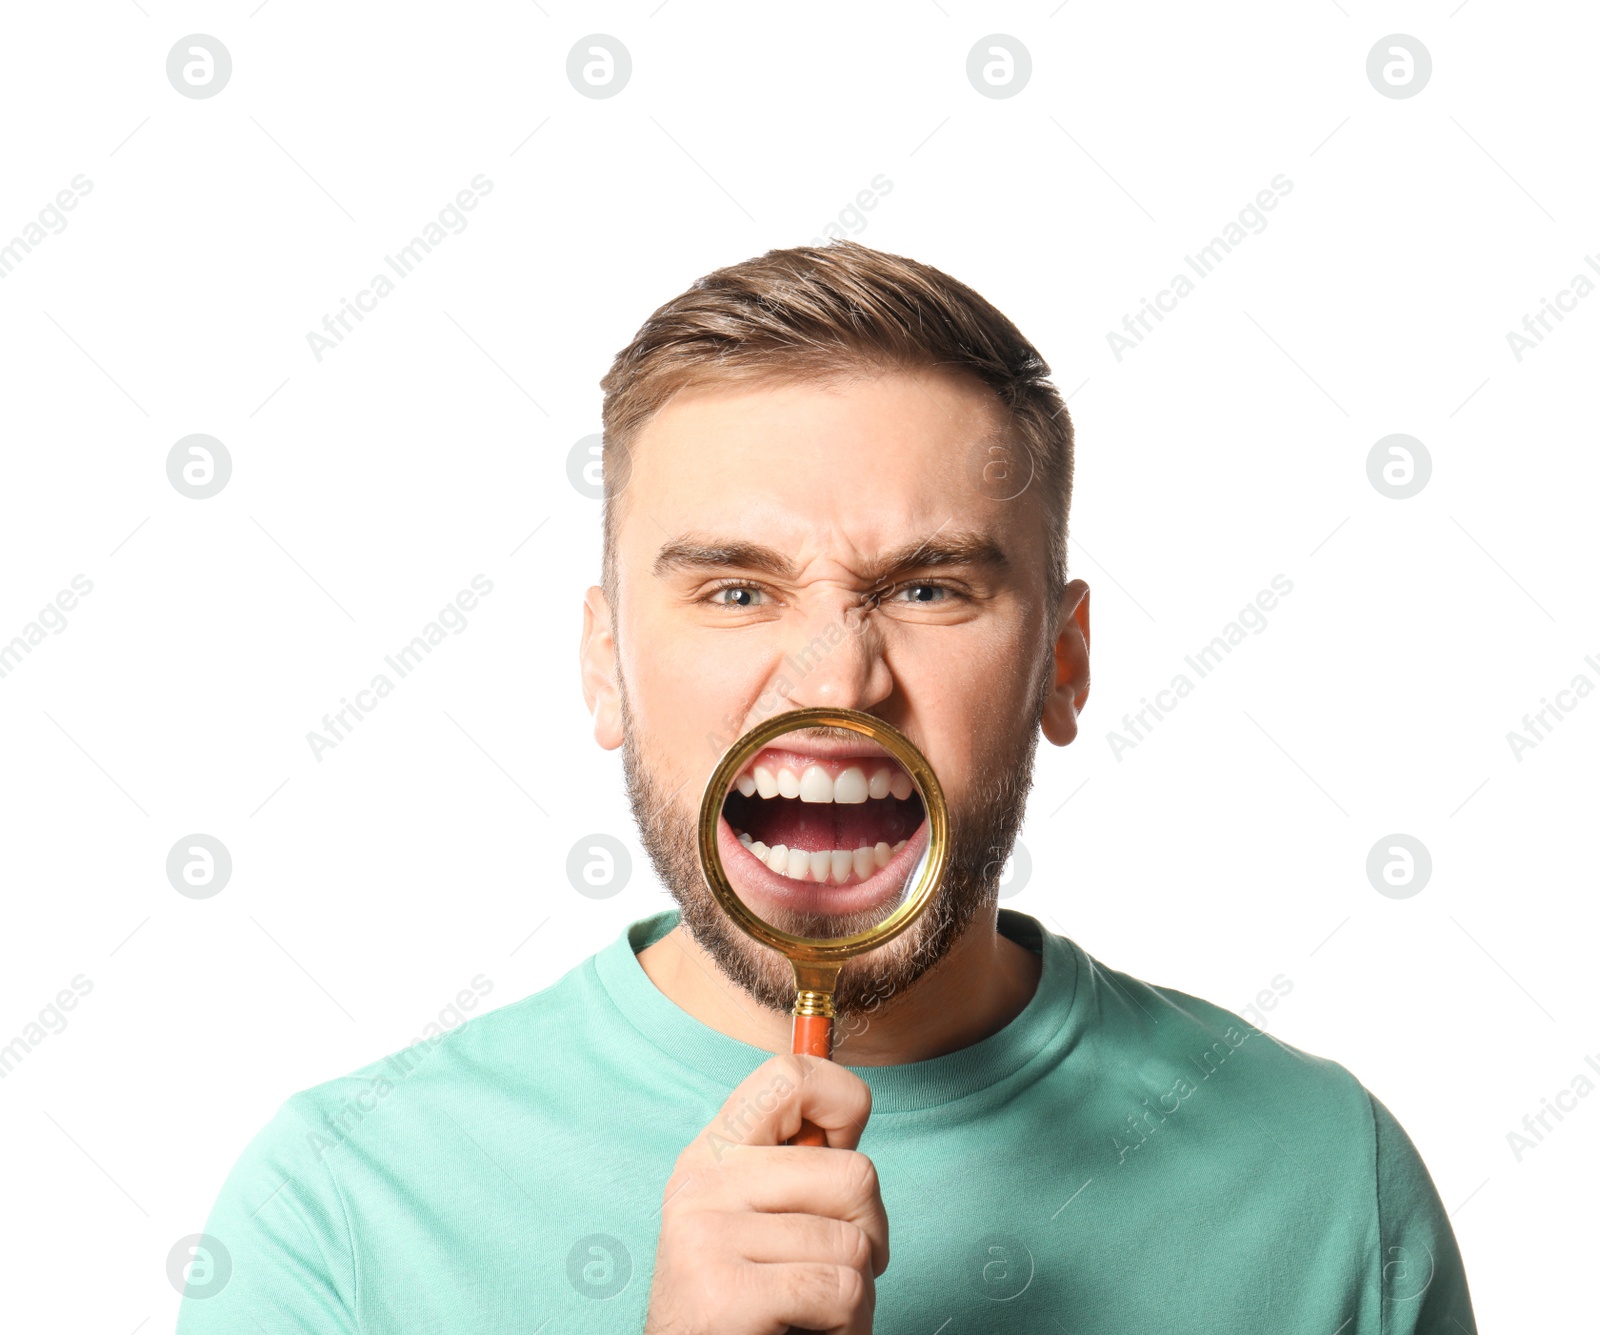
(822, 833)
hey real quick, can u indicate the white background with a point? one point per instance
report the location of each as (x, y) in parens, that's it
(370, 886)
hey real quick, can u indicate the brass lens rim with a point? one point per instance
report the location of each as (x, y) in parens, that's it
(931, 868)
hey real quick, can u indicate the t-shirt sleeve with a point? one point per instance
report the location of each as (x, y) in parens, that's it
(277, 1249)
(1424, 1284)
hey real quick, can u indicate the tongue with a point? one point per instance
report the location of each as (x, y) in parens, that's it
(815, 826)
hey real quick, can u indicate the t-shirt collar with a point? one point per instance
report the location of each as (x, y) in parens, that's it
(1003, 1058)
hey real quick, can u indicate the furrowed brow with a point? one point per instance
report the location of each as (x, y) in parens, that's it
(943, 549)
(691, 554)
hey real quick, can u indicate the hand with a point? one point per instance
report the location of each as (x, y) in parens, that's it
(758, 1236)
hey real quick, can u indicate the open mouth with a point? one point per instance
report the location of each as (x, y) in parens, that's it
(830, 834)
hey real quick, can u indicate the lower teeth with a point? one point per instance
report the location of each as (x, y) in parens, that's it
(837, 865)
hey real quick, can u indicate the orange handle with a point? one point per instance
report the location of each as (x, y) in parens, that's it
(813, 1037)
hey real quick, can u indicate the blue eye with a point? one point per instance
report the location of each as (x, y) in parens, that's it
(924, 593)
(736, 595)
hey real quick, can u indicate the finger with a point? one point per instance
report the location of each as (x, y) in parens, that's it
(788, 1179)
(769, 1104)
(781, 1238)
(813, 1297)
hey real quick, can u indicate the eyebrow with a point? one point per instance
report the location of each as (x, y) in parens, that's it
(692, 553)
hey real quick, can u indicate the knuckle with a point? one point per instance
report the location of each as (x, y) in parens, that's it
(850, 1287)
(855, 1247)
(860, 1175)
(856, 1091)
(802, 1071)
(831, 1292)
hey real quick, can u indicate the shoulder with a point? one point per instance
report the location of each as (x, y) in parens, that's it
(1207, 1098)
(284, 1210)
(454, 1057)
(1178, 1049)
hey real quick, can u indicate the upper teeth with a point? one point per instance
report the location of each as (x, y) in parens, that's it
(815, 784)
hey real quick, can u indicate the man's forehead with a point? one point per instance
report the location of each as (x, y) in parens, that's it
(861, 471)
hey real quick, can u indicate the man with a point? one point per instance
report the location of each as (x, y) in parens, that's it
(838, 477)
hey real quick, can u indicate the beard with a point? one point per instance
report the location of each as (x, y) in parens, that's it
(983, 829)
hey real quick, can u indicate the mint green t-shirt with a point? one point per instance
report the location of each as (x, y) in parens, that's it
(1119, 1158)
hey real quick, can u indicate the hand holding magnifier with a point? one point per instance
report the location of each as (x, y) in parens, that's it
(823, 834)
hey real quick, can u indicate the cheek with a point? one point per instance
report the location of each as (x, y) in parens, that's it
(690, 692)
(971, 696)
(696, 663)
(980, 669)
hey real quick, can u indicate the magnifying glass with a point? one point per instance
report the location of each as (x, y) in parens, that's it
(823, 835)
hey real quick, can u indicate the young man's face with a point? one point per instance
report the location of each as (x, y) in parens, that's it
(828, 543)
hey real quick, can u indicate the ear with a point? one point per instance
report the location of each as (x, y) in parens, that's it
(1070, 690)
(597, 657)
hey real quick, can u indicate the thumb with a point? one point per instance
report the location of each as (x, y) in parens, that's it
(768, 1105)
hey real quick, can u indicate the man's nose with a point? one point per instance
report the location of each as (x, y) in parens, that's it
(838, 662)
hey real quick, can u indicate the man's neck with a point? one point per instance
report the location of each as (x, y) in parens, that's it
(976, 990)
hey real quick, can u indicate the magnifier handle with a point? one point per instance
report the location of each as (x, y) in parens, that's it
(813, 1037)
